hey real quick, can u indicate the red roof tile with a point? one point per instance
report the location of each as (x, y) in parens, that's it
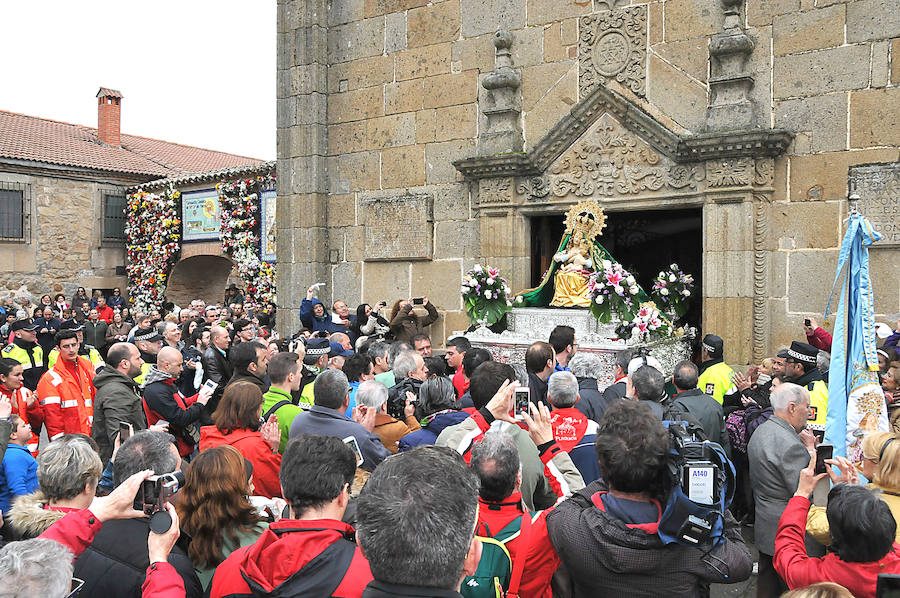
(106, 92)
(31, 138)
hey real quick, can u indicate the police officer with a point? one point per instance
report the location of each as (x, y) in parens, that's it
(715, 375)
(89, 352)
(26, 351)
(149, 342)
(800, 368)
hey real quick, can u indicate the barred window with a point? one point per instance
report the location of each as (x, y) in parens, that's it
(114, 218)
(14, 212)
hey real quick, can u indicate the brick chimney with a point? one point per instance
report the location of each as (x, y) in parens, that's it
(109, 106)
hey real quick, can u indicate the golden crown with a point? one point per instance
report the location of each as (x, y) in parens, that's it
(587, 218)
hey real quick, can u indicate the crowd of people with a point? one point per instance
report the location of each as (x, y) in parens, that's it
(190, 451)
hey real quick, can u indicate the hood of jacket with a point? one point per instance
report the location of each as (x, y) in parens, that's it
(110, 376)
(445, 420)
(275, 557)
(156, 375)
(28, 517)
(211, 436)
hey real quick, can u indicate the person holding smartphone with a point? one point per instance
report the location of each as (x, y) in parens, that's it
(118, 398)
(405, 324)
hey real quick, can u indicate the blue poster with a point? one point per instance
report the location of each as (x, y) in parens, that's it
(200, 215)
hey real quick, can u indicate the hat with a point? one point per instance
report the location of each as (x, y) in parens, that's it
(71, 325)
(882, 330)
(803, 352)
(26, 324)
(147, 334)
(318, 346)
(639, 362)
(783, 354)
(714, 345)
(337, 349)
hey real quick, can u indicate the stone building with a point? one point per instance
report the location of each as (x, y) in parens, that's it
(418, 137)
(62, 196)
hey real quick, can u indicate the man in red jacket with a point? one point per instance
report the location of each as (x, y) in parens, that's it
(106, 312)
(316, 473)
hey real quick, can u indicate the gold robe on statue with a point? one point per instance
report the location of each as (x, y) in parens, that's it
(570, 289)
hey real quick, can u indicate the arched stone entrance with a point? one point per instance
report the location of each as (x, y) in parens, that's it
(199, 277)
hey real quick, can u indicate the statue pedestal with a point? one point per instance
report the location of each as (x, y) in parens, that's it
(527, 325)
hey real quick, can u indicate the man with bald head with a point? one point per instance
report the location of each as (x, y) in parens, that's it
(163, 401)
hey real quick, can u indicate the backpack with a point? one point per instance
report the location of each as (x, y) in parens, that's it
(497, 576)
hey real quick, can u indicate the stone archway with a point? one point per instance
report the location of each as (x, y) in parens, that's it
(199, 277)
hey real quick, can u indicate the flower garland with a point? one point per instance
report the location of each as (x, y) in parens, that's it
(153, 230)
(611, 289)
(486, 295)
(647, 323)
(672, 289)
(240, 232)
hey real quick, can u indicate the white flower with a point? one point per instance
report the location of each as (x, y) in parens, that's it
(464, 290)
(664, 291)
(633, 290)
(508, 303)
(519, 299)
(487, 294)
(490, 281)
(607, 264)
(686, 293)
(672, 278)
(673, 266)
(477, 268)
(507, 290)
(630, 280)
(598, 299)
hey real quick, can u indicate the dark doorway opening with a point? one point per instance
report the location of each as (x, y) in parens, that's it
(643, 241)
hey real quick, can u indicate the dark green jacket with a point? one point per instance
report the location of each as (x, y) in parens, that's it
(118, 399)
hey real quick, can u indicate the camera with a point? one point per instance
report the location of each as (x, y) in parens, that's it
(156, 490)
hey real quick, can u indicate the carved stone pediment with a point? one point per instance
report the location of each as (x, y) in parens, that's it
(610, 160)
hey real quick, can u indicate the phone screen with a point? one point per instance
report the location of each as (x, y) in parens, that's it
(354, 445)
(823, 451)
(124, 431)
(522, 399)
(210, 385)
(888, 586)
(418, 301)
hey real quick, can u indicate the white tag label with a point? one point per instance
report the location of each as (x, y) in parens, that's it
(701, 482)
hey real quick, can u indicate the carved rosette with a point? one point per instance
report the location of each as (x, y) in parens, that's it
(613, 45)
(740, 172)
(534, 188)
(495, 191)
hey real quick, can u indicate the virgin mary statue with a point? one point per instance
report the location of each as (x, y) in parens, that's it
(579, 255)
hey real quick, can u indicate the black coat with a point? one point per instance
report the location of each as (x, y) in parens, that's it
(614, 391)
(115, 563)
(592, 402)
(217, 368)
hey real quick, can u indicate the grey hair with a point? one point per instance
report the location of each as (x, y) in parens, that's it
(379, 349)
(495, 460)
(38, 567)
(330, 388)
(371, 393)
(521, 373)
(562, 389)
(396, 349)
(66, 466)
(787, 393)
(823, 361)
(145, 450)
(405, 363)
(648, 383)
(585, 365)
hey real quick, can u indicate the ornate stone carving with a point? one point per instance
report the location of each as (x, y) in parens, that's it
(878, 187)
(534, 188)
(613, 45)
(608, 4)
(730, 172)
(730, 104)
(495, 191)
(765, 172)
(611, 160)
(760, 276)
(502, 103)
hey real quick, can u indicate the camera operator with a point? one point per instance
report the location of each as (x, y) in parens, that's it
(113, 564)
(43, 566)
(607, 532)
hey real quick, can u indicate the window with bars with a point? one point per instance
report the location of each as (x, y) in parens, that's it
(15, 209)
(114, 218)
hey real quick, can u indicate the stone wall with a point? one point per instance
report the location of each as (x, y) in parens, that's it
(65, 250)
(378, 98)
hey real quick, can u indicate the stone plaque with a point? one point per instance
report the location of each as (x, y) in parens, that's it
(397, 227)
(878, 187)
(613, 45)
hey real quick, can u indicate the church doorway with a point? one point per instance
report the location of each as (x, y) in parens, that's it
(643, 241)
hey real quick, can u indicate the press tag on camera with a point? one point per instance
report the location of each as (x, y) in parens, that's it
(701, 483)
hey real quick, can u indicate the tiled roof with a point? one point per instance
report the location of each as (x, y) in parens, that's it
(106, 92)
(210, 175)
(41, 140)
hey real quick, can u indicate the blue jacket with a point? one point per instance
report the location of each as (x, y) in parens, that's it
(316, 324)
(329, 422)
(429, 433)
(18, 475)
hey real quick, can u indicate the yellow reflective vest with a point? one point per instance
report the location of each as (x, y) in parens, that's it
(715, 381)
(86, 351)
(818, 404)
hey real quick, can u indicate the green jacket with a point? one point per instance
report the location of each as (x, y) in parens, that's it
(285, 413)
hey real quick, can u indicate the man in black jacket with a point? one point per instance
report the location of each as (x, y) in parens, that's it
(616, 390)
(250, 360)
(115, 563)
(540, 361)
(592, 403)
(216, 366)
(705, 409)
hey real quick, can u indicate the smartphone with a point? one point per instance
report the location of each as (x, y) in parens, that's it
(888, 586)
(823, 451)
(522, 396)
(125, 431)
(418, 301)
(354, 445)
(807, 323)
(211, 385)
(820, 435)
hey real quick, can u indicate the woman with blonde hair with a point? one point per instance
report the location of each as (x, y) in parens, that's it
(826, 589)
(213, 507)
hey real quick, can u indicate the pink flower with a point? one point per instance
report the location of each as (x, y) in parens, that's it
(614, 278)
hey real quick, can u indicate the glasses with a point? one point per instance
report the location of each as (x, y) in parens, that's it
(75, 588)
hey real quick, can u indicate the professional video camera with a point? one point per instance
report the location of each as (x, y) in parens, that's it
(703, 489)
(152, 496)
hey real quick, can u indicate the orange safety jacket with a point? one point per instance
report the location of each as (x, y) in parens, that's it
(33, 414)
(67, 399)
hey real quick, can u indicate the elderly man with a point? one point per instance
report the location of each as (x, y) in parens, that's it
(778, 451)
(574, 432)
(410, 372)
(374, 395)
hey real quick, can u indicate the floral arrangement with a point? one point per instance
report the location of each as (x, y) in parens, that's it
(611, 289)
(240, 233)
(153, 230)
(672, 290)
(647, 323)
(486, 295)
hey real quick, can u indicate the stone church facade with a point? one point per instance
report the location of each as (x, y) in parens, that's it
(417, 138)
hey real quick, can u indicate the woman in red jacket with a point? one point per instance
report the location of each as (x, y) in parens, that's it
(237, 423)
(24, 402)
